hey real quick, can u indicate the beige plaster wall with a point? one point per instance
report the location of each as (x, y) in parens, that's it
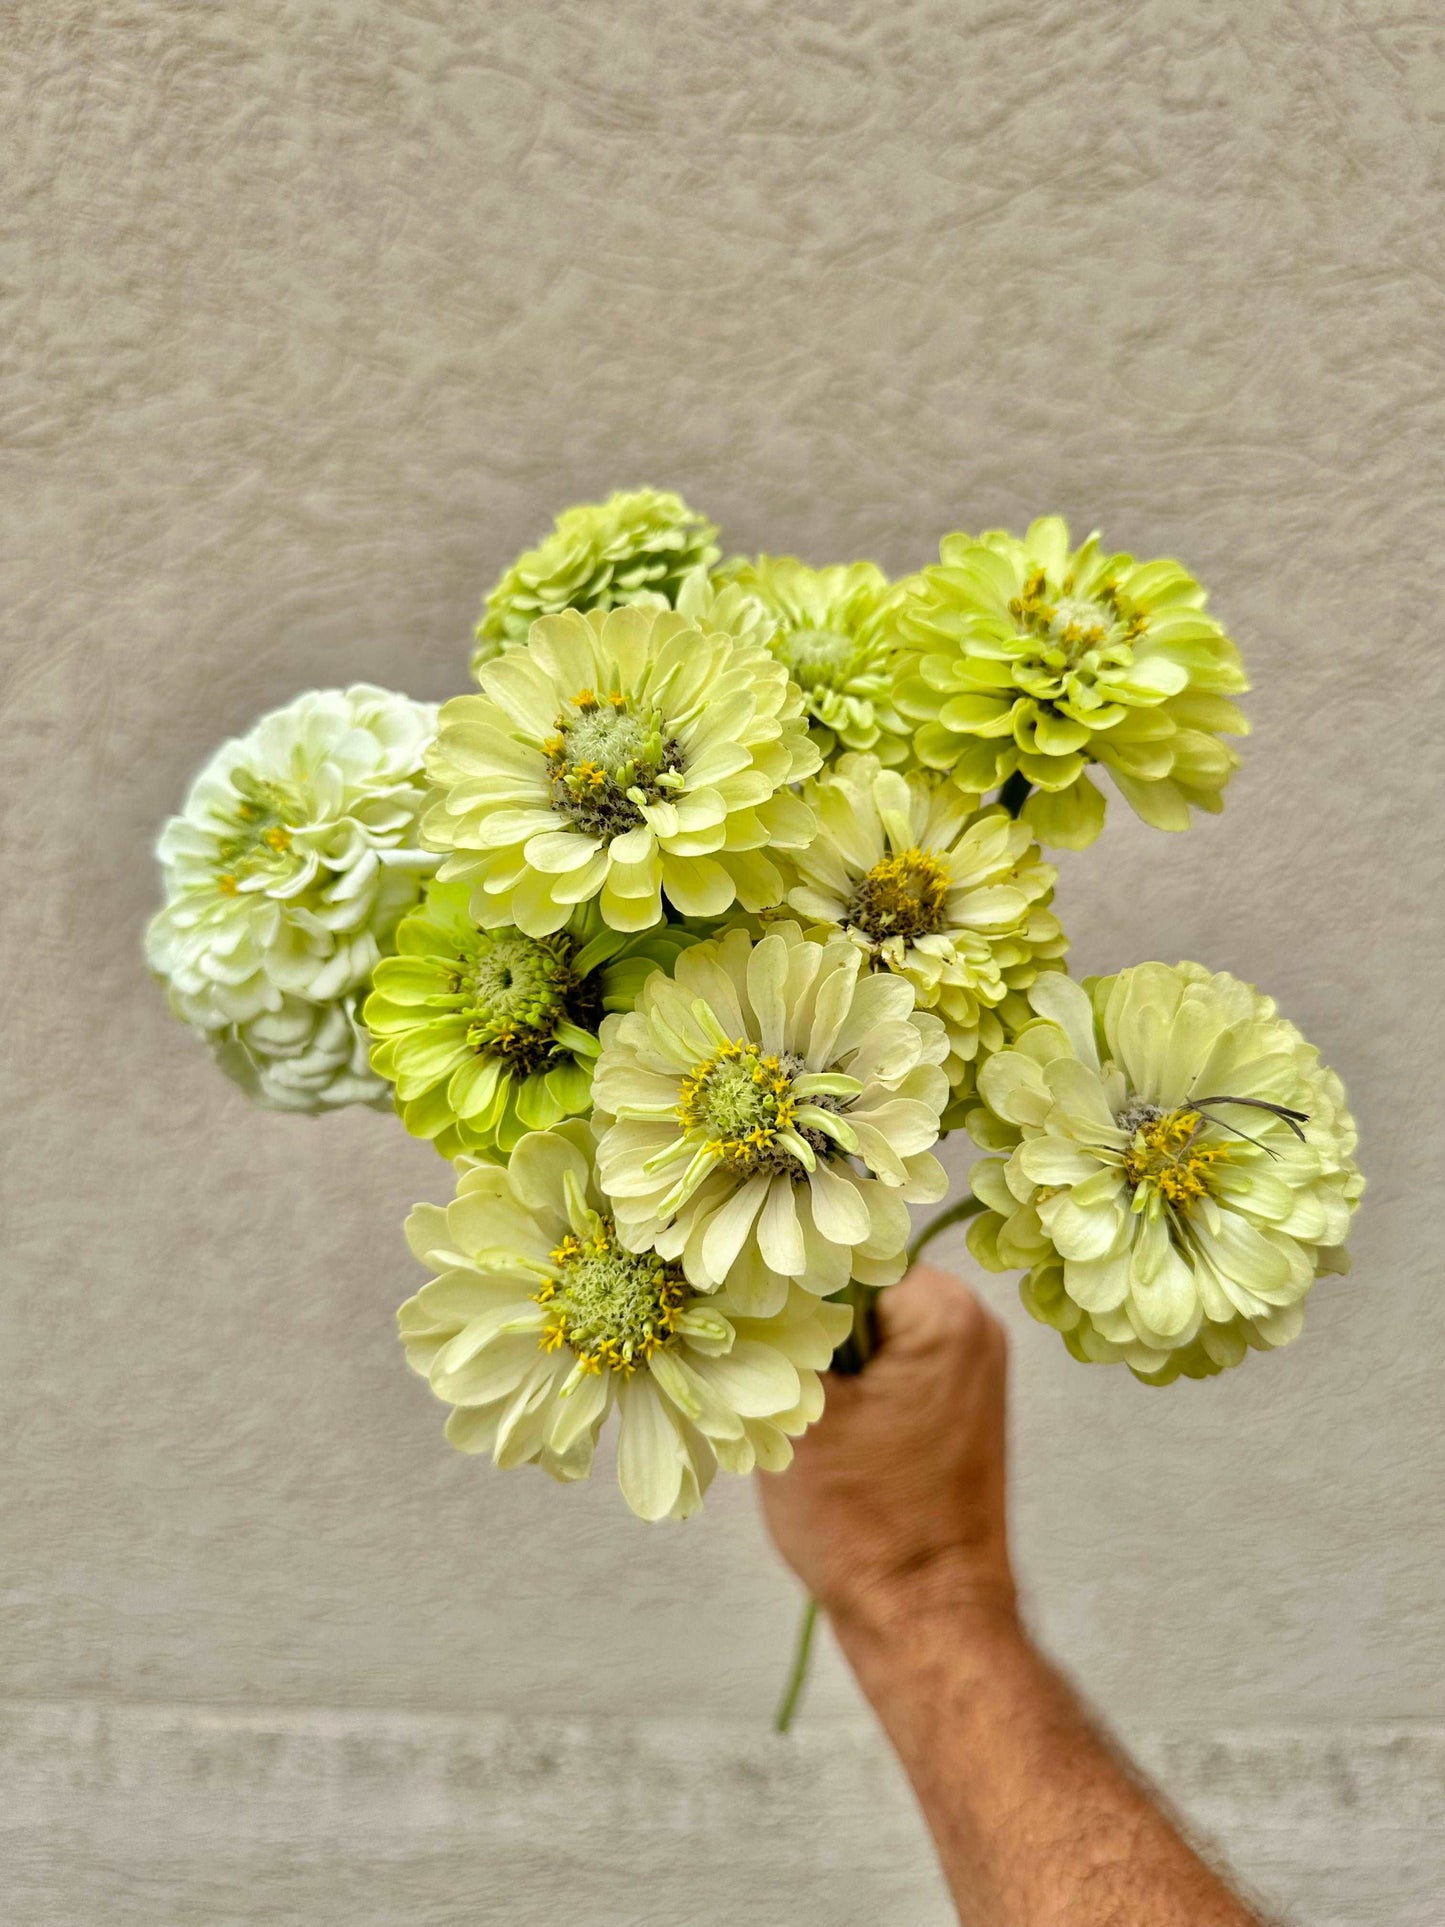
(314, 311)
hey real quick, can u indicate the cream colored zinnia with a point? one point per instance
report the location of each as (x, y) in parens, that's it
(539, 1322)
(1180, 1168)
(633, 756)
(773, 1104)
(295, 856)
(953, 898)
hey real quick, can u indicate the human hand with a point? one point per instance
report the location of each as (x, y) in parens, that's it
(896, 1497)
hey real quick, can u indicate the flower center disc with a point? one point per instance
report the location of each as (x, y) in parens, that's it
(262, 821)
(741, 1102)
(903, 896)
(1166, 1154)
(613, 1307)
(1068, 627)
(604, 763)
(813, 656)
(515, 990)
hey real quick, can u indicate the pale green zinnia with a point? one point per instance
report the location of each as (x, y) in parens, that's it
(1179, 1169)
(627, 756)
(638, 544)
(489, 1034)
(1034, 661)
(540, 1321)
(773, 1106)
(953, 898)
(834, 639)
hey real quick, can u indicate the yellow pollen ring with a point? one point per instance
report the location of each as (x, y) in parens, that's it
(738, 1103)
(1165, 1154)
(641, 1304)
(906, 895)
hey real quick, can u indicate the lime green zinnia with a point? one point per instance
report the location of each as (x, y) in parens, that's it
(638, 544)
(1034, 660)
(953, 898)
(1180, 1168)
(833, 639)
(488, 1034)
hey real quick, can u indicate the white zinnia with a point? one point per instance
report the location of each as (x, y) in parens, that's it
(294, 858)
(773, 1105)
(539, 1322)
(303, 1057)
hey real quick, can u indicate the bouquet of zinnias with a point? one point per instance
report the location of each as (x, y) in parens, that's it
(689, 933)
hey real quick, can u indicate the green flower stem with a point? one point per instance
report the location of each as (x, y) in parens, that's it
(966, 1207)
(798, 1672)
(861, 1343)
(1015, 792)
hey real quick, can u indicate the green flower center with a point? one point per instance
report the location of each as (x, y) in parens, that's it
(263, 820)
(818, 656)
(604, 763)
(741, 1103)
(1070, 628)
(1165, 1153)
(514, 991)
(613, 1307)
(906, 895)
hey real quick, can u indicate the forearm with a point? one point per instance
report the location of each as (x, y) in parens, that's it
(1035, 1821)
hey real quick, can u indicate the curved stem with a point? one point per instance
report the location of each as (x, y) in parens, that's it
(1014, 793)
(966, 1207)
(798, 1672)
(861, 1343)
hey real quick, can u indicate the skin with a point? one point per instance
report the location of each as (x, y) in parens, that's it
(893, 1514)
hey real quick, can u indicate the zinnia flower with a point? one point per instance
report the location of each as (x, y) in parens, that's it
(621, 756)
(953, 898)
(774, 1104)
(834, 640)
(1182, 1168)
(489, 1034)
(1037, 660)
(639, 543)
(302, 1057)
(294, 858)
(541, 1320)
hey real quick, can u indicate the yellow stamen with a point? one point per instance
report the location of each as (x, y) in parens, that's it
(1166, 1153)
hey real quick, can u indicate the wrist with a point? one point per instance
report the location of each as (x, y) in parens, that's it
(948, 1597)
(939, 1643)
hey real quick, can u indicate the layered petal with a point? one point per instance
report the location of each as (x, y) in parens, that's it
(1180, 1168)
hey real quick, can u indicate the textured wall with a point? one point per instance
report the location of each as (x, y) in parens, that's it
(314, 311)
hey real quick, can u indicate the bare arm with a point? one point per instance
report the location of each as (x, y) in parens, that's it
(893, 1515)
